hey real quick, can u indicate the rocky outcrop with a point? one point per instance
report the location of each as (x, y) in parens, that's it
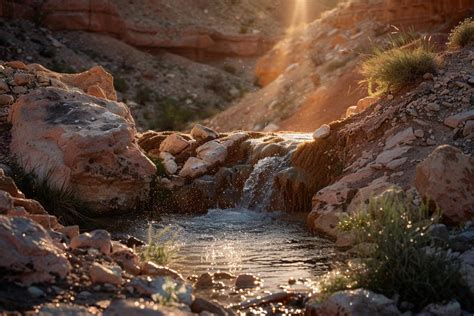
(32, 255)
(108, 17)
(82, 143)
(446, 178)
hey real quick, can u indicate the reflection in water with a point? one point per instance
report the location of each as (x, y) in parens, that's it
(274, 245)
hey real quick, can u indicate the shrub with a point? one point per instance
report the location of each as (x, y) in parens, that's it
(405, 260)
(120, 84)
(398, 67)
(161, 245)
(462, 34)
(61, 202)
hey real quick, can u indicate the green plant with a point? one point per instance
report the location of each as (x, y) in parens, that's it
(59, 201)
(161, 245)
(120, 84)
(462, 34)
(405, 260)
(398, 67)
(144, 94)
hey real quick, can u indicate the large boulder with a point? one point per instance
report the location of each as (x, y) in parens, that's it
(32, 255)
(82, 143)
(446, 178)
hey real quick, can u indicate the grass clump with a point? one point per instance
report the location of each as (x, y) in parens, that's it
(61, 202)
(161, 247)
(405, 260)
(398, 67)
(462, 34)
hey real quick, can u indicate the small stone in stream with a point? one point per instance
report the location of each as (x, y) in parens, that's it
(244, 281)
(102, 274)
(223, 276)
(205, 281)
(291, 281)
(6, 99)
(200, 305)
(98, 239)
(152, 269)
(36, 292)
(322, 132)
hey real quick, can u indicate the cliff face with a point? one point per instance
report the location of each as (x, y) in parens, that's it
(420, 14)
(311, 77)
(103, 16)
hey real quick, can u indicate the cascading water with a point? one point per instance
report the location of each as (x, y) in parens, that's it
(258, 189)
(246, 239)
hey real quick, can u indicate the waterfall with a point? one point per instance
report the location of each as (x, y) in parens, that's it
(258, 188)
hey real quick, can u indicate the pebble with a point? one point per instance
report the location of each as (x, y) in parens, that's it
(419, 133)
(36, 292)
(322, 132)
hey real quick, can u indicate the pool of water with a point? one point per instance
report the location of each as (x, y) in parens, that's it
(275, 246)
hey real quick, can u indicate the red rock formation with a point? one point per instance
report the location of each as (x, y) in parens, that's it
(103, 16)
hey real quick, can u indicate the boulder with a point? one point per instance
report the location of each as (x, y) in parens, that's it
(212, 153)
(174, 144)
(322, 132)
(194, 167)
(358, 302)
(200, 132)
(245, 281)
(82, 143)
(446, 179)
(101, 274)
(98, 239)
(32, 255)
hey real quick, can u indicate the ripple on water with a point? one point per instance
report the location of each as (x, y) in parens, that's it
(275, 246)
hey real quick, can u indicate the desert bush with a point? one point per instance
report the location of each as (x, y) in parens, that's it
(398, 67)
(405, 259)
(120, 84)
(462, 34)
(161, 245)
(61, 202)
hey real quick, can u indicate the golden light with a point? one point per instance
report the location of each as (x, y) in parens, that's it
(300, 15)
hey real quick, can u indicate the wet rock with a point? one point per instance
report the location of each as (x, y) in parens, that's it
(205, 281)
(446, 178)
(174, 144)
(126, 258)
(132, 307)
(200, 305)
(229, 183)
(245, 281)
(88, 142)
(194, 167)
(212, 153)
(223, 276)
(36, 292)
(32, 254)
(358, 302)
(101, 274)
(404, 137)
(152, 269)
(453, 308)
(455, 120)
(97, 239)
(322, 132)
(201, 132)
(56, 309)
(6, 202)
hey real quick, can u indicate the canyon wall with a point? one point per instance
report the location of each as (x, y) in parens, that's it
(105, 16)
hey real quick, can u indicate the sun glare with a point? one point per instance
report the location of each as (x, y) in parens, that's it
(300, 15)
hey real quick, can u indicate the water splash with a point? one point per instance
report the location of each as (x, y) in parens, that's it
(258, 189)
